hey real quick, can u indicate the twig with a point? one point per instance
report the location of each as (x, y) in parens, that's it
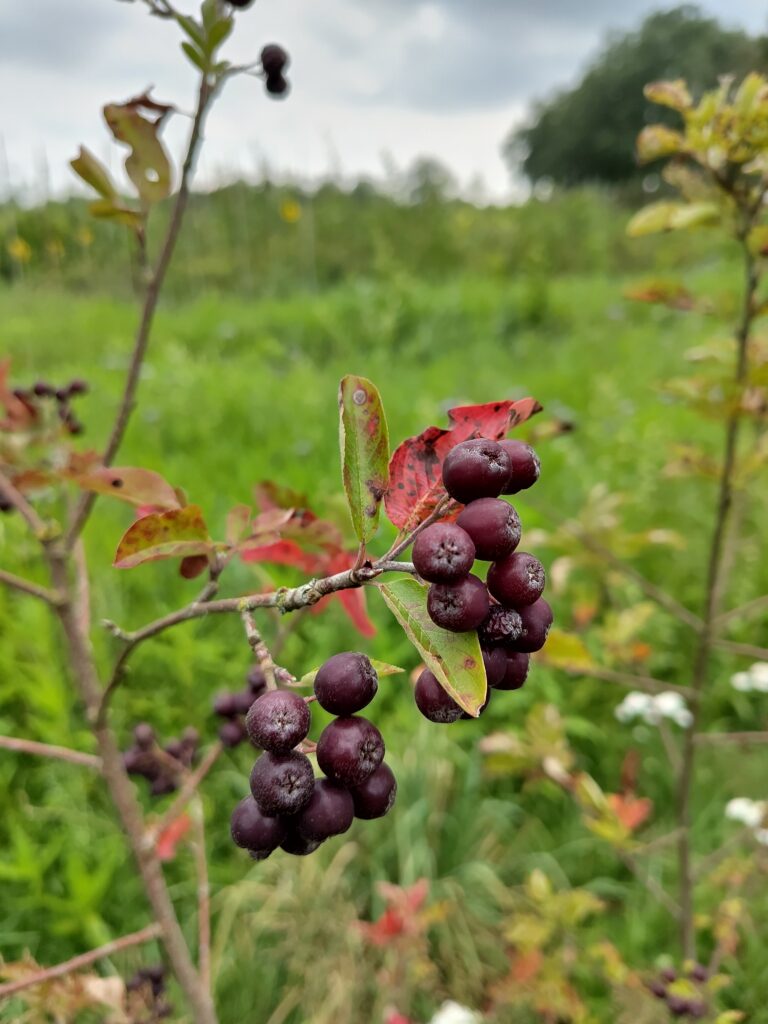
(28, 587)
(671, 748)
(750, 608)
(657, 891)
(13, 495)
(657, 844)
(22, 746)
(646, 683)
(748, 650)
(401, 543)
(716, 738)
(148, 934)
(259, 648)
(83, 592)
(203, 901)
(710, 862)
(188, 789)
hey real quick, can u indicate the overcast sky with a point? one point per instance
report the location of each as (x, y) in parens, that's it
(375, 83)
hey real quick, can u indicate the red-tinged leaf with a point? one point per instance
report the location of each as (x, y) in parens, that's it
(354, 601)
(454, 658)
(364, 443)
(19, 414)
(415, 469)
(176, 534)
(525, 966)
(269, 495)
(238, 523)
(136, 486)
(193, 566)
(632, 811)
(285, 552)
(169, 839)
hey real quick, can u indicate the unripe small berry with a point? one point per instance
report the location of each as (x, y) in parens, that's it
(375, 797)
(517, 580)
(443, 553)
(349, 750)
(433, 701)
(458, 607)
(346, 683)
(478, 468)
(494, 527)
(524, 466)
(278, 721)
(282, 783)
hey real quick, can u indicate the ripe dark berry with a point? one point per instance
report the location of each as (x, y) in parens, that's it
(297, 845)
(142, 763)
(475, 469)
(232, 733)
(346, 683)
(669, 974)
(657, 988)
(330, 812)
(144, 735)
(77, 387)
(493, 525)
(240, 4)
(495, 661)
(433, 702)
(678, 1006)
(257, 680)
(274, 59)
(697, 1008)
(524, 466)
(443, 553)
(537, 619)
(349, 750)
(276, 85)
(243, 701)
(163, 785)
(282, 783)
(458, 607)
(515, 671)
(698, 972)
(225, 705)
(43, 389)
(278, 721)
(174, 749)
(500, 626)
(375, 797)
(517, 580)
(253, 830)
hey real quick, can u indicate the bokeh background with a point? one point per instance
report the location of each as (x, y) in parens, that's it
(439, 205)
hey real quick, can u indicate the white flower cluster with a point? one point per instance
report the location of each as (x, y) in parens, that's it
(453, 1013)
(755, 678)
(651, 708)
(751, 813)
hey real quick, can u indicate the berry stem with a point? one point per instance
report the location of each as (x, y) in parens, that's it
(259, 648)
(203, 898)
(188, 789)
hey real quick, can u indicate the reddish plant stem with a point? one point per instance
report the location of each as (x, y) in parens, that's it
(22, 746)
(259, 648)
(148, 934)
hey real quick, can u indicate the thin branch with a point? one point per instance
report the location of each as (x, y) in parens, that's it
(671, 748)
(645, 683)
(751, 608)
(653, 845)
(657, 891)
(148, 934)
(188, 789)
(401, 543)
(748, 650)
(259, 648)
(203, 901)
(22, 746)
(14, 496)
(28, 587)
(704, 867)
(741, 738)
(151, 298)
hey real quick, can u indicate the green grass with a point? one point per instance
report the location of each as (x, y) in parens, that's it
(236, 391)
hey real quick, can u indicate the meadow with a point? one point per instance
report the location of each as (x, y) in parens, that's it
(240, 386)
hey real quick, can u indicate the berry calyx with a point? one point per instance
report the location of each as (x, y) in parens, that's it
(517, 580)
(443, 553)
(478, 468)
(375, 797)
(524, 466)
(501, 626)
(537, 619)
(278, 721)
(253, 830)
(458, 607)
(346, 683)
(433, 701)
(494, 527)
(349, 750)
(329, 812)
(282, 783)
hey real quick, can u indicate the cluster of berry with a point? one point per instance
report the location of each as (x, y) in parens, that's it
(162, 767)
(288, 807)
(34, 397)
(275, 61)
(678, 1005)
(235, 706)
(507, 610)
(146, 991)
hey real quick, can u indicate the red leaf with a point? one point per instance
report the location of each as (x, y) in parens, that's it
(193, 566)
(416, 484)
(632, 811)
(169, 839)
(285, 552)
(355, 605)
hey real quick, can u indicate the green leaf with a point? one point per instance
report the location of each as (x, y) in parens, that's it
(669, 94)
(364, 443)
(148, 165)
(106, 209)
(210, 12)
(193, 29)
(657, 141)
(380, 667)
(218, 34)
(565, 650)
(93, 173)
(670, 216)
(136, 486)
(176, 534)
(195, 56)
(454, 658)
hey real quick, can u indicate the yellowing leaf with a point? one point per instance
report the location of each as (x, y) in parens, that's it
(93, 173)
(566, 650)
(672, 216)
(136, 486)
(176, 534)
(147, 165)
(672, 94)
(657, 141)
(364, 443)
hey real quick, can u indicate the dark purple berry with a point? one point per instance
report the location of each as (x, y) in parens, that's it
(257, 680)
(253, 830)
(475, 469)
(458, 607)
(668, 974)
(282, 783)
(43, 390)
(190, 738)
(77, 387)
(698, 972)
(375, 797)
(349, 750)
(515, 671)
(278, 721)
(524, 466)
(443, 553)
(494, 527)
(697, 1008)
(274, 59)
(226, 705)
(346, 683)
(297, 845)
(433, 701)
(501, 626)
(678, 1006)
(175, 749)
(163, 785)
(240, 4)
(330, 812)
(276, 85)
(232, 733)
(495, 661)
(243, 701)
(657, 988)
(144, 735)
(142, 763)
(517, 580)
(537, 619)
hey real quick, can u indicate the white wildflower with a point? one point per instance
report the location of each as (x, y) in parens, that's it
(762, 836)
(652, 709)
(453, 1013)
(634, 705)
(759, 674)
(742, 681)
(748, 812)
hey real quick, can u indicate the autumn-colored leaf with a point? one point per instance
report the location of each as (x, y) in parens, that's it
(566, 650)
(136, 486)
(526, 966)
(93, 172)
(415, 469)
(672, 94)
(284, 552)
(454, 658)
(193, 566)
(178, 533)
(353, 601)
(169, 839)
(632, 811)
(147, 165)
(238, 523)
(364, 443)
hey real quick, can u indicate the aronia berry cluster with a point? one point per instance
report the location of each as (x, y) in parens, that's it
(507, 610)
(288, 807)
